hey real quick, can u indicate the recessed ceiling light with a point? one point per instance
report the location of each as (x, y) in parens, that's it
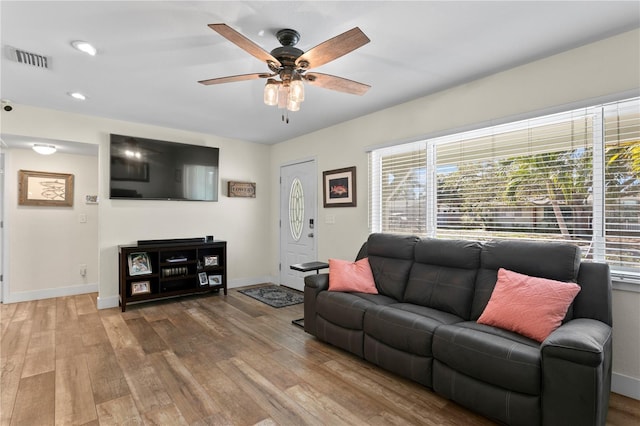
(85, 47)
(77, 95)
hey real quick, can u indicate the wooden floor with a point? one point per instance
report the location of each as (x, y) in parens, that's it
(199, 361)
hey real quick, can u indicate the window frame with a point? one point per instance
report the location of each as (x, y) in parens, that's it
(597, 145)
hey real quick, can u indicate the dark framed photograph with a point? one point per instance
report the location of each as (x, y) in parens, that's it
(202, 277)
(215, 280)
(140, 287)
(211, 260)
(339, 187)
(45, 189)
(139, 264)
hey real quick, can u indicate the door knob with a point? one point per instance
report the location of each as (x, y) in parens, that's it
(310, 235)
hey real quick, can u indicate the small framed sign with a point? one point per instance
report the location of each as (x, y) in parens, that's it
(242, 189)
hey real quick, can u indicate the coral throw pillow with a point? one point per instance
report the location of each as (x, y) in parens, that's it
(351, 276)
(530, 306)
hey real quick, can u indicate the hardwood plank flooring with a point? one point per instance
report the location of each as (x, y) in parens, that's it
(202, 360)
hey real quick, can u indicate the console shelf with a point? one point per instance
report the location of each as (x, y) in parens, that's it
(157, 271)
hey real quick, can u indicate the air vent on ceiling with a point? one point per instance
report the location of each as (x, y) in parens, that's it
(28, 58)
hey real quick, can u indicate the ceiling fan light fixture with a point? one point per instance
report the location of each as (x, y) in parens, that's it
(296, 90)
(44, 149)
(293, 105)
(283, 96)
(271, 92)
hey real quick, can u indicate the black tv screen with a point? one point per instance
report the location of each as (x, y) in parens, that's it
(148, 169)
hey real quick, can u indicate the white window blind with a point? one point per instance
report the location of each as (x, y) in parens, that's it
(397, 199)
(573, 176)
(622, 184)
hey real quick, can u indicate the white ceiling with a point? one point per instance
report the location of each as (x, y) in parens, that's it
(152, 53)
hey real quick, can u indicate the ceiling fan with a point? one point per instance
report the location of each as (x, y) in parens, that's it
(288, 65)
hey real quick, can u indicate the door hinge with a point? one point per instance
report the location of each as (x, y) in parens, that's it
(279, 266)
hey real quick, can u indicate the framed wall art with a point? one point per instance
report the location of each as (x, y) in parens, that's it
(45, 189)
(339, 187)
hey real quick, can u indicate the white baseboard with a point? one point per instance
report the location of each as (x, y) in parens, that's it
(625, 385)
(48, 293)
(106, 302)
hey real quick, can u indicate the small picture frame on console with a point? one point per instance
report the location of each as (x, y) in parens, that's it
(211, 260)
(202, 277)
(140, 287)
(139, 264)
(215, 280)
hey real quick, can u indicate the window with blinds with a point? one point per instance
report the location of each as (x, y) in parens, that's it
(573, 176)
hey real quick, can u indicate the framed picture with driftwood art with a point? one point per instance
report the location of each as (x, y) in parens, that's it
(45, 189)
(339, 187)
(215, 280)
(140, 287)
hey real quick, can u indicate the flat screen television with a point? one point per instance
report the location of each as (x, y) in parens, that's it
(149, 169)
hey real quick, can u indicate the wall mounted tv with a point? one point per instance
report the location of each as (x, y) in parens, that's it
(148, 169)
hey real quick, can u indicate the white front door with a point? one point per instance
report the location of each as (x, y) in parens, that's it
(298, 209)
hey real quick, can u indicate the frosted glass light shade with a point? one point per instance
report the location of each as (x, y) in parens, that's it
(44, 149)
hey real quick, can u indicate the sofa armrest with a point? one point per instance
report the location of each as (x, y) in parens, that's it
(318, 282)
(313, 284)
(576, 369)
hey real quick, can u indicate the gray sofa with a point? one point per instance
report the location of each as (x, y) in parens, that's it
(422, 325)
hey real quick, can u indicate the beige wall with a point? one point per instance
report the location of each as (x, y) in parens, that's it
(46, 245)
(592, 72)
(242, 222)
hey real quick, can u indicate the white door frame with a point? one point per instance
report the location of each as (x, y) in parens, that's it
(313, 214)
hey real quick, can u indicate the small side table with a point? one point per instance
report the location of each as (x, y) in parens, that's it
(306, 267)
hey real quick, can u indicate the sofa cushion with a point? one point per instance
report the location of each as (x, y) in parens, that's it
(391, 257)
(351, 276)
(489, 354)
(346, 309)
(406, 327)
(530, 306)
(552, 260)
(443, 275)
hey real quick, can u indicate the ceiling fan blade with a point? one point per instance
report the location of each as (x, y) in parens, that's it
(233, 78)
(340, 84)
(333, 48)
(244, 43)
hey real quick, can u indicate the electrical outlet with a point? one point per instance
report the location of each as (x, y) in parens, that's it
(83, 269)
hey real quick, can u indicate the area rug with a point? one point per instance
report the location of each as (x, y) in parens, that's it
(275, 296)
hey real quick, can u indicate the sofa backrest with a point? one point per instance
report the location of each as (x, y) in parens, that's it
(443, 275)
(552, 260)
(391, 258)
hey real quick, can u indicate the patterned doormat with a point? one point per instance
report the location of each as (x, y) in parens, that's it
(275, 295)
